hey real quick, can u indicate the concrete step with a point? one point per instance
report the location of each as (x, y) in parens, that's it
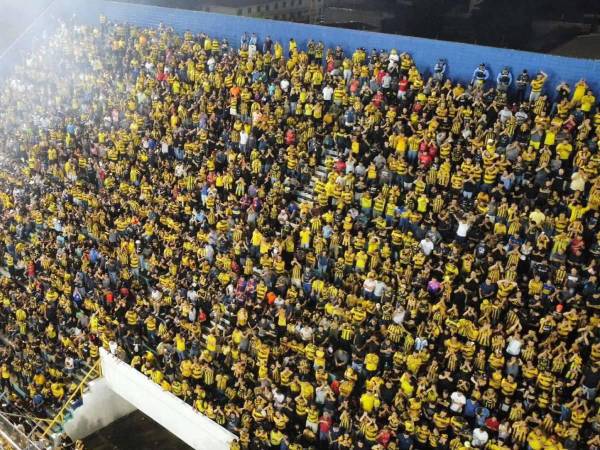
(307, 196)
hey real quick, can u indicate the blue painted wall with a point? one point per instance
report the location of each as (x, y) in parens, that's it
(462, 58)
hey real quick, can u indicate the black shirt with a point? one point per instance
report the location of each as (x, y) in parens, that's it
(591, 378)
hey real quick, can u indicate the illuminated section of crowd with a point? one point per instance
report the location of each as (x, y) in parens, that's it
(315, 248)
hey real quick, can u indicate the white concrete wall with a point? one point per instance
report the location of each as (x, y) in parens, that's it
(193, 428)
(101, 407)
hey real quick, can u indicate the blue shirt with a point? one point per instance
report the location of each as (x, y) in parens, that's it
(38, 400)
(94, 256)
(470, 407)
(404, 441)
(482, 415)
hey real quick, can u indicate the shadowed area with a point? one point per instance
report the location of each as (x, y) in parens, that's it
(134, 431)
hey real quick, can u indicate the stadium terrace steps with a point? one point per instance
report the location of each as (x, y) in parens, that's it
(50, 410)
(304, 194)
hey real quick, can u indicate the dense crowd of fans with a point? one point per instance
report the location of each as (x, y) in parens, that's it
(438, 291)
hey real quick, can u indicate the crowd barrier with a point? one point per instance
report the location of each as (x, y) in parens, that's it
(181, 419)
(462, 58)
(12, 438)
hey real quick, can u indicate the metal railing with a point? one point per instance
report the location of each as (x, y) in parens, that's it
(12, 435)
(94, 372)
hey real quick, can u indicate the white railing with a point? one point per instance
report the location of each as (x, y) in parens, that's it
(15, 437)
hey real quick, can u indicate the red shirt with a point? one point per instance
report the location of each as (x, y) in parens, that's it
(339, 166)
(384, 437)
(324, 424)
(31, 269)
(425, 159)
(378, 99)
(492, 423)
(403, 86)
(330, 65)
(290, 137)
(335, 386)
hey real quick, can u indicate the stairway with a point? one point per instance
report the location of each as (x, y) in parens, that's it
(64, 412)
(306, 192)
(36, 427)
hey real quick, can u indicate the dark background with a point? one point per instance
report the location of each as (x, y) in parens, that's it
(564, 27)
(569, 28)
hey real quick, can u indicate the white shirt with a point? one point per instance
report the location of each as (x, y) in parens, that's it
(327, 93)
(480, 437)
(398, 316)
(386, 81)
(350, 166)
(278, 397)
(285, 84)
(420, 343)
(379, 287)
(179, 170)
(426, 246)
(577, 182)
(211, 64)
(369, 284)
(463, 228)
(521, 116)
(505, 114)
(243, 138)
(320, 395)
(458, 401)
(514, 346)
(306, 333)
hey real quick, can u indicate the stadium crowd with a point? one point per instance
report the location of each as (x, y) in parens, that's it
(438, 291)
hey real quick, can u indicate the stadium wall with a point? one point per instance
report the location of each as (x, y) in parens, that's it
(462, 58)
(181, 419)
(101, 407)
